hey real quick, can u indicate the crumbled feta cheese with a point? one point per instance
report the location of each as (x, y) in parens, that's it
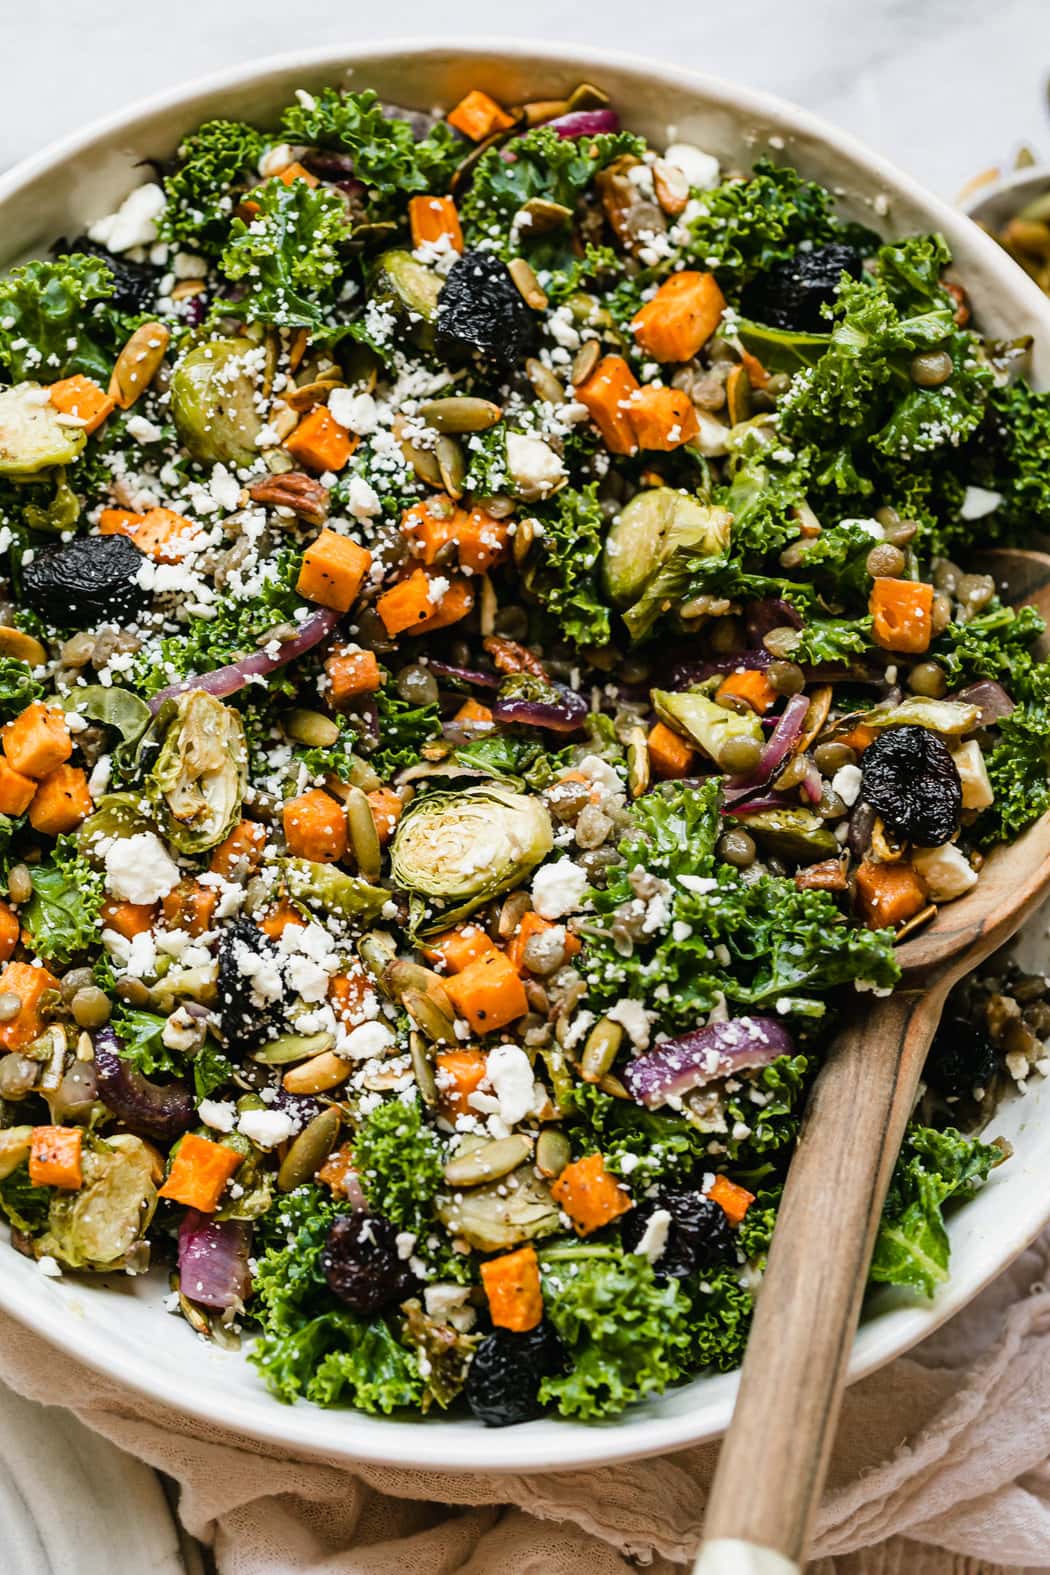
(365, 1041)
(634, 1020)
(846, 783)
(356, 412)
(134, 223)
(654, 1237)
(362, 499)
(534, 467)
(700, 169)
(219, 1114)
(510, 1073)
(977, 791)
(139, 868)
(947, 872)
(979, 501)
(266, 1127)
(559, 889)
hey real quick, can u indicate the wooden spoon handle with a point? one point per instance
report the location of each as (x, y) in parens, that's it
(775, 1456)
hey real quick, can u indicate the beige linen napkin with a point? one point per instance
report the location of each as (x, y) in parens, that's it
(948, 1448)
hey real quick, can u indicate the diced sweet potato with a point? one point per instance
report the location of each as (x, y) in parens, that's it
(590, 1196)
(669, 755)
(315, 827)
(387, 808)
(680, 318)
(478, 116)
(319, 442)
(460, 1073)
(240, 853)
(30, 984)
(10, 930)
(54, 1157)
(752, 685)
(296, 171)
(662, 418)
(350, 994)
(473, 711)
(512, 1285)
(281, 918)
(488, 993)
(410, 608)
(128, 918)
(901, 613)
(734, 1201)
(458, 948)
(449, 607)
(532, 924)
(79, 396)
(61, 801)
(199, 1173)
(889, 894)
(433, 218)
(160, 534)
(352, 674)
(333, 570)
(37, 740)
(190, 906)
(16, 790)
(606, 396)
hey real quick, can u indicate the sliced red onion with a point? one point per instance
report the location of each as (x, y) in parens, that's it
(153, 1110)
(565, 715)
(677, 1066)
(769, 613)
(213, 1260)
(758, 805)
(585, 122)
(990, 697)
(223, 681)
(811, 784)
(465, 675)
(776, 748)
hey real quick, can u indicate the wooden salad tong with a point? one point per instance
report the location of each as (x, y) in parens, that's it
(774, 1459)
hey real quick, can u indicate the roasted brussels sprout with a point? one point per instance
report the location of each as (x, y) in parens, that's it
(32, 437)
(461, 849)
(798, 835)
(710, 726)
(652, 526)
(201, 772)
(96, 1227)
(214, 395)
(501, 1214)
(90, 580)
(409, 286)
(333, 890)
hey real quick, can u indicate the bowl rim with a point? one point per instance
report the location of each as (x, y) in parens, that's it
(430, 1445)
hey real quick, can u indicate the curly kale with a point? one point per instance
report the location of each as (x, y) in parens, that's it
(56, 320)
(217, 161)
(403, 730)
(399, 1159)
(563, 569)
(386, 156)
(289, 256)
(18, 687)
(912, 1246)
(1009, 458)
(62, 916)
(994, 644)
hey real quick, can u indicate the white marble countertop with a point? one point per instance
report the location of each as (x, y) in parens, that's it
(944, 87)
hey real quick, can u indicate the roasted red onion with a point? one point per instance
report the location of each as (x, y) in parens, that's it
(565, 715)
(585, 122)
(465, 675)
(153, 1110)
(776, 748)
(990, 697)
(758, 805)
(677, 1066)
(223, 681)
(213, 1260)
(811, 784)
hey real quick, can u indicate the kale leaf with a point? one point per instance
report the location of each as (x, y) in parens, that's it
(399, 1159)
(386, 156)
(18, 687)
(55, 320)
(403, 730)
(141, 1042)
(912, 1245)
(563, 568)
(218, 160)
(62, 916)
(289, 256)
(25, 1205)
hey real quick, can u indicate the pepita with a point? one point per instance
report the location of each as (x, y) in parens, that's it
(364, 839)
(401, 975)
(310, 728)
(544, 109)
(587, 96)
(460, 413)
(309, 1150)
(544, 215)
(290, 1048)
(488, 606)
(671, 186)
(585, 361)
(639, 770)
(528, 286)
(489, 1162)
(553, 1152)
(524, 536)
(138, 363)
(311, 394)
(738, 395)
(544, 383)
(186, 289)
(601, 1049)
(317, 1075)
(376, 950)
(23, 647)
(915, 923)
(612, 1086)
(297, 348)
(421, 1067)
(816, 716)
(452, 465)
(439, 1026)
(282, 421)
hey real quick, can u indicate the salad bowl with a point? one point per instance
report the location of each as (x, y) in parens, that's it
(118, 1325)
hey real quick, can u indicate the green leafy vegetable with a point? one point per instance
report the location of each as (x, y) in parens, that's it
(210, 1069)
(18, 687)
(399, 1159)
(403, 730)
(289, 255)
(56, 320)
(386, 155)
(141, 1042)
(563, 573)
(62, 916)
(25, 1205)
(912, 1244)
(217, 161)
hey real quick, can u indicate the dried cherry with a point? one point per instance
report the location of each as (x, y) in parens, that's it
(911, 780)
(794, 292)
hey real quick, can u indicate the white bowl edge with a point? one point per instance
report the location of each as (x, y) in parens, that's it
(117, 1326)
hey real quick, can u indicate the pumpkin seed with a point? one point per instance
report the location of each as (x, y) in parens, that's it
(310, 728)
(488, 606)
(293, 1047)
(489, 1162)
(297, 348)
(194, 1316)
(528, 286)
(587, 96)
(460, 413)
(422, 1069)
(553, 1152)
(401, 975)
(738, 395)
(638, 765)
(376, 950)
(452, 465)
(311, 394)
(816, 716)
(601, 1049)
(559, 1076)
(915, 922)
(524, 536)
(544, 215)
(138, 363)
(585, 361)
(364, 839)
(23, 647)
(612, 1086)
(282, 421)
(544, 109)
(317, 1075)
(439, 1026)
(671, 186)
(544, 383)
(187, 288)
(53, 1046)
(309, 1150)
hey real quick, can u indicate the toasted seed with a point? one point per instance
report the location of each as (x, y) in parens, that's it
(138, 363)
(540, 110)
(671, 186)
(377, 950)
(282, 420)
(317, 1075)
(452, 465)
(544, 383)
(364, 839)
(52, 1046)
(601, 1049)
(422, 1069)
(488, 1162)
(915, 922)
(310, 394)
(544, 215)
(401, 975)
(293, 1047)
(638, 768)
(311, 728)
(585, 361)
(488, 606)
(187, 288)
(738, 395)
(553, 1152)
(439, 1026)
(460, 413)
(23, 647)
(10, 1006)
(528, 286)
(612, 1086)
(91, 1007)
(586, 96)
(19, 883)
(524, 536)
(309, 1150)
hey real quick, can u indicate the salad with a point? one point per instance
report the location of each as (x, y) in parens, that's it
(492, 660)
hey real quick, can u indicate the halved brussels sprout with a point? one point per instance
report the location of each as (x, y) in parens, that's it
(651, 526)
(32, 437)
(213, 403)
(797, 835)
(201, 772)
(461, 849)
(501, 1213)
(408, 285)
(333, 891)
(96, 1226)
(708, 725)
(951, 717)
(115, 815)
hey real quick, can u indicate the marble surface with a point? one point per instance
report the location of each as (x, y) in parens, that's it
(944, 87)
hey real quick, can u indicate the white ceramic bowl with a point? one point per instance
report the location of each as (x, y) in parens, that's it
(119, 1326)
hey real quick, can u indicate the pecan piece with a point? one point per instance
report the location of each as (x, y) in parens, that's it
(292, 489)
(830, 875)
(510, 657)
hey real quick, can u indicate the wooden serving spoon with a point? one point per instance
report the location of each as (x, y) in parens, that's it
(775, 1456)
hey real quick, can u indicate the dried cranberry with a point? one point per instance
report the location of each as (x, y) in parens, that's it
(244, 1021)
(134, 284)
(697, 1236)
(361, 1265)
(962, 1059)
(911, 780)
(503, 1382)
(480, 311)
(794, 292)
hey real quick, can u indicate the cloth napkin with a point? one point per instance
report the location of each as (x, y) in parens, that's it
(941, 1467)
